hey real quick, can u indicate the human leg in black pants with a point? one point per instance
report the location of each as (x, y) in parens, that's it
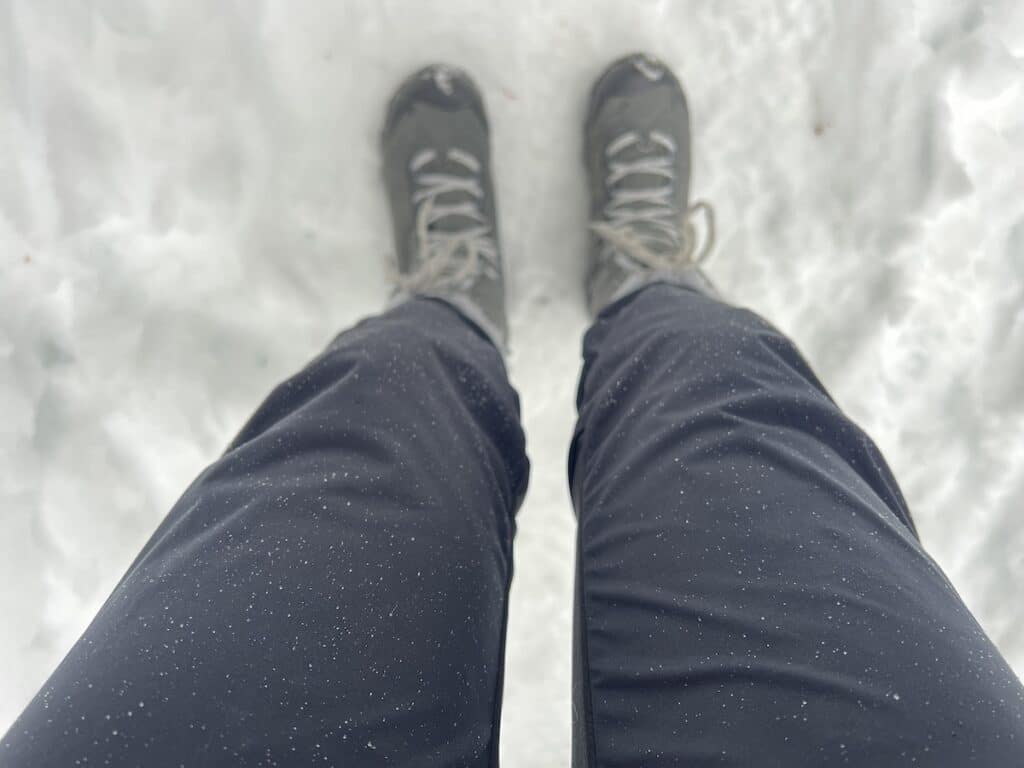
(750, 587)
(331, 591)
(751, 590)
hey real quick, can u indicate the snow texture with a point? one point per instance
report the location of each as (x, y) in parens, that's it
(190, 208)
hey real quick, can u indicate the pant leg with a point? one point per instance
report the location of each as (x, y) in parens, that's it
(332, 591)
(750, 587)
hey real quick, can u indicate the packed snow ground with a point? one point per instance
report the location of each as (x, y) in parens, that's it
(190, 208)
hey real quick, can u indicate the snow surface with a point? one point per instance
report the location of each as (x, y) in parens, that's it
(190, 208)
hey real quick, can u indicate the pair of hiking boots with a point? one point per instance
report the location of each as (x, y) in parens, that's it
(437, 171)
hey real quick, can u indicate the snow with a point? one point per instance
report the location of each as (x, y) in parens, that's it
(190, 208)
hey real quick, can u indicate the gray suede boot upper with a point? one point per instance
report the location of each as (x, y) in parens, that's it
(637, 154)
(437, 170)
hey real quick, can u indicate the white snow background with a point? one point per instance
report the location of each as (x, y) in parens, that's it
(190, 208)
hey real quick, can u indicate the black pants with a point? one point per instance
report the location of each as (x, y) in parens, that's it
(333, 590)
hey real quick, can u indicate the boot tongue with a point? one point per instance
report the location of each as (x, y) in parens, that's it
(453, 221)
(448, 217)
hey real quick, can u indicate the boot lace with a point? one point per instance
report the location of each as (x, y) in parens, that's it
(459, 253)
(642, 223)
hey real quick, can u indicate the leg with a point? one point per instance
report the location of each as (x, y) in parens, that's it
(751, 590)
(331, 591)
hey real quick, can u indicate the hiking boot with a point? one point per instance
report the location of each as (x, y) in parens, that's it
(437, 170)
(637, 154)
